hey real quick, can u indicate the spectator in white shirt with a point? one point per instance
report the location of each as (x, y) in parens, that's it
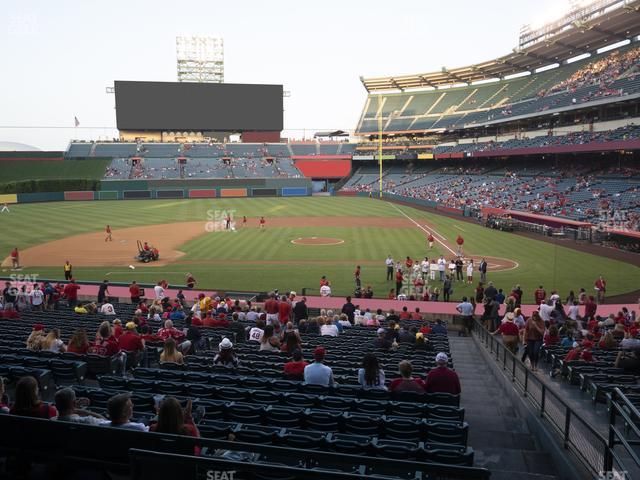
(37, 297)
(325, 291)
(52, 342)
(545, 310)
(107, 309)
(159, 291)
(328, 328)
(120, 408)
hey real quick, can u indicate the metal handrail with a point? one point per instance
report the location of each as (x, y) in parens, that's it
(569, 424)
(620, 405)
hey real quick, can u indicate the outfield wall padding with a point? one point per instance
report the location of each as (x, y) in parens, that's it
(9, 198)
(169, 194)
(107, 195)
(40, 197)
(295, 192)
(264, 192)
(78, 195)
(135, 194)
(233, 192)
(202, 193)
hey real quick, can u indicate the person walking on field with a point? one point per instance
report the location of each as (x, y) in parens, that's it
(430, 239)
(108, 238)
(67, 270)
(460, 243)
(15, 258)
(389, 263)
(483, 270)
(601, 288)
(262, 223)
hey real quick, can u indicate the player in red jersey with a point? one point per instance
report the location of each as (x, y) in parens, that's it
(460, 242)
(430, 239)
(262, 222)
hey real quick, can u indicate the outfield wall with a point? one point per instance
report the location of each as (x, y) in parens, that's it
(175, 189)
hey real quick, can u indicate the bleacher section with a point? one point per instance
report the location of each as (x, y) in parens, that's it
(346, 426)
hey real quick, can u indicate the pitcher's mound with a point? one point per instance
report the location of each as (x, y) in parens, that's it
(317, 241)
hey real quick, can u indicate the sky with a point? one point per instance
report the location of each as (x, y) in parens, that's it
(59, 56)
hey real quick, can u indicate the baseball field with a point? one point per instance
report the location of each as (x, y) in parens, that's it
(303, 239)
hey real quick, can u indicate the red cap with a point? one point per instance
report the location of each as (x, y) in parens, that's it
(319, 352)
(587, 344)
(38, 326)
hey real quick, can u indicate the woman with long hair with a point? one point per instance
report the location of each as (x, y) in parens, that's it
(170, 353)
(27, 400)
(34, 342)
(371, 375)
(269, 341)
(533, 335)
(52, 342)
(175, 420)
(78, 343)
(291, 340)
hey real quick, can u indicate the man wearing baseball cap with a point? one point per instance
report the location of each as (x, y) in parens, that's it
(442, 379)
(318, 373)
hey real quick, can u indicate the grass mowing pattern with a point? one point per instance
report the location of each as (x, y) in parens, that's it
(236, 261)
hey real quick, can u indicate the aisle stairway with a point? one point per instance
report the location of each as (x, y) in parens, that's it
(500, 437)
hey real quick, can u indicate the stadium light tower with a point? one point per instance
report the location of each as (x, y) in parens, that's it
(200, 59)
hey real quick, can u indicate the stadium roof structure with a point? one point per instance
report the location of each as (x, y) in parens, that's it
(603, 23)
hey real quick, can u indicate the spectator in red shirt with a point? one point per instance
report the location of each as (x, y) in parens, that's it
(416, 315)
(170, 331)
(510, 333)
(539, 295)
(284, 310)
(442, 379)
(78, 343)
(27, 401)
(399, 281)
(216, 322)
(117, 328)
(134, 291)
(601, 286)
(425, 329)
(147, 335)
(406, 383)
(272, 308)
(70, 292)
(130, 341)
(9, 313)
(551, 337)
(590, 308)
(405, 315)
(105, 344)
(294, 370)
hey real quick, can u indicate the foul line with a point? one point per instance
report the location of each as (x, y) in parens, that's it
(459, 227)
(423, 229)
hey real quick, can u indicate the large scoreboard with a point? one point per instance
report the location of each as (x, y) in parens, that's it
(173, 106)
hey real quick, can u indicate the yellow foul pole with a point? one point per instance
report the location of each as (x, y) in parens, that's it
(380, 139)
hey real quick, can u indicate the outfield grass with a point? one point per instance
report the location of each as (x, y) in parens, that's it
(248, 259)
